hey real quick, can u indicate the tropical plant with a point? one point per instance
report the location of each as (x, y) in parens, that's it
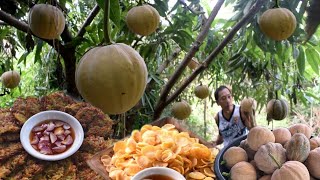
(229, 51)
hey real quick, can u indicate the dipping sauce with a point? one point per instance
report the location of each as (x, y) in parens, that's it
(157, 177)
(52, 137)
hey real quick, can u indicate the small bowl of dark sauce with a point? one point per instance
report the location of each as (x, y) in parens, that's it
(51, 135)
(158, 173)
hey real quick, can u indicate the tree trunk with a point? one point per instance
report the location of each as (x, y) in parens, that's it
(69, 58)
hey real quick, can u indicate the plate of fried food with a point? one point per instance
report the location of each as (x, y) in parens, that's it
(163, 143)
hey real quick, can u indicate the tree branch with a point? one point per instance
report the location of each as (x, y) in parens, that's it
(66, 35)
(164, 94)
(88, 21)
(189, 8)
(162, 67)
(3, 23)
(12, 21)
(254, 9)
(165, 64)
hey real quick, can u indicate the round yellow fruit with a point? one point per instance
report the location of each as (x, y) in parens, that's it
(10, 79)
(46, 21)
(181, 110)
(201, 91)
(193, 64)
(277, 109)
(143, 20)
(112, 78)
(278, 23)
(248, 104)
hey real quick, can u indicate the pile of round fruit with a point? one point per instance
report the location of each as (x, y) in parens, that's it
(282, 154)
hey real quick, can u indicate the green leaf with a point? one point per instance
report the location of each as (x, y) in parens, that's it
(301, 60)
(312, 58)
(4, 32)
(186, 36)
(148, 99)
(37, 56)
(156, 79)
(174, 7)
(161, 7)
(114, 11)
(312, 95)
(181, 42)
(295, 53)
(23, 58)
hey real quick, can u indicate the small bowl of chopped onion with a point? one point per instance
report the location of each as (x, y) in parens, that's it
(51, 135)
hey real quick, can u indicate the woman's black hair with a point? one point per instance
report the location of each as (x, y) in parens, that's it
(220, 88)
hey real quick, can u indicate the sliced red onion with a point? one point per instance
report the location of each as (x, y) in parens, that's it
(61, 137)
(38, 129)
(58, 143)
(66, 126)
(45, 132)
(68, 140)
(39, 134)
(44, 139)
(43, 144)
(59, 131)
(59, 149)
(44, 125)
(46, 150)
(53, 138)
(35, 147)
(35, 140)
(59, 123)
(67, 132)
(51, 126)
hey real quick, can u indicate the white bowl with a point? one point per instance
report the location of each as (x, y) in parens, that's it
(158, 170)
(44, 116)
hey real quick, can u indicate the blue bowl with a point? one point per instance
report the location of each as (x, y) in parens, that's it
(218, 168)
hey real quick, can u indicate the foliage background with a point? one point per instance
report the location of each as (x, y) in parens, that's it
(252, 64)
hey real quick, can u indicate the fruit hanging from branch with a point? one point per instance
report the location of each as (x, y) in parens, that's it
(201, 91)
(10, 79)
(143, 20)
(193, 64)
(278, 23)
(46, 21)
(112, 78)
(277, 109)
(181, 110)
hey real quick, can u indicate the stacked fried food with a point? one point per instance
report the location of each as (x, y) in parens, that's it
(162, 146)
(15, 163)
